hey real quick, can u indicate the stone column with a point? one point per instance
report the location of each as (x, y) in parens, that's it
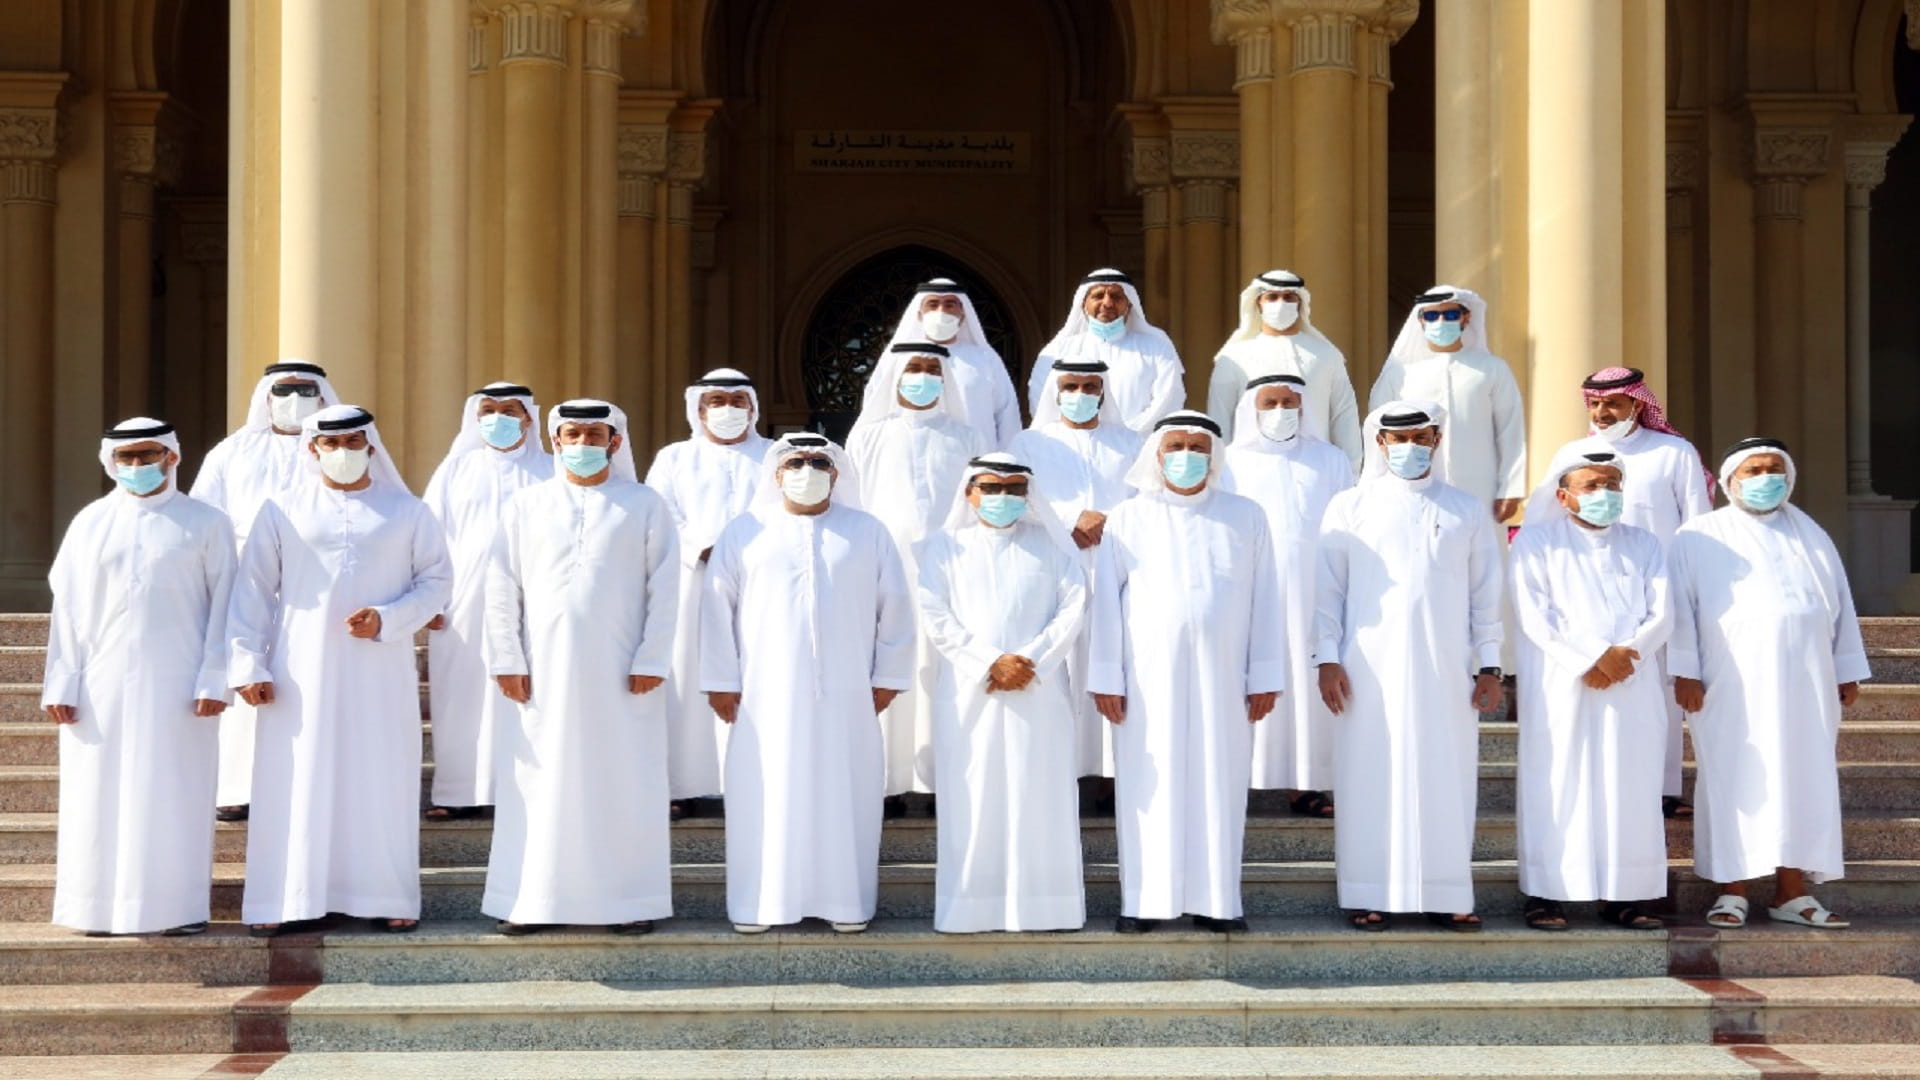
(1323, 73)
(1684, 157)
(436, 185)
(194, 393)
(533, 71)
(485, 205)
(253, 199)
(1260, 202)
(604, 27)
(1150, 174)
(686, 171)
(1786, 155)
(146, 155)
(642, 163)
(1203, 147)
(29, 140)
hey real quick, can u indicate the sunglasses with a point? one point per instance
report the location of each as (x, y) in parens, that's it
(294, 389)
(989, 487)
(1451, 315)
(138, 457)
(823, 463)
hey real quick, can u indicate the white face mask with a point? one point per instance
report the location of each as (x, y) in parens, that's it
(344, 466)
(805, 486)
(288, 412)
(1617, 430)
(939, 326)
(726, 422)
(1279, 314)
(1278, 424)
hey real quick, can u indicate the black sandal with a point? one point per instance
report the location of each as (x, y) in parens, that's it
(386, 926)
(1313, 804)
(451, 813)
(1465, 922)
(1674, 807)
(1373, 922)
(1630, 916)
(1544, 914)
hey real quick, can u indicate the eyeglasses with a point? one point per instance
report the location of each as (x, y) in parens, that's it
(822, 463)
(989, 487)
(293, 389)
(1451, 315)
(138, 457)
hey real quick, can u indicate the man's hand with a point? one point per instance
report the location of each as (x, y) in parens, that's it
(364, 623)
(882, 699)
(438, 622)
(257, 694)
(641, 684)
(517, 688)
(1617, 662)
(1112, 706)
(1596, 679)
(725, 705)
(1089, 528)
(1690, 694)
(1010, 672)
(1505, 508)
(208, 707)
(62, 714)
(1487, 693)
(1259, 705)
(1849, 693)
(1335, 690)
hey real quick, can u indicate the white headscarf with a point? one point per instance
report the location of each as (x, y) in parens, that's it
(138, 429)
(1412, 346)
(881, 399)
(1066, 343)
(1048, 409)
(259, 407)
(1543, 504)
(909, 330)
(1246, 422)
(345, 419)
(1145, 477)
(468, 437)
(846, 490)
(727, 379)
(1746, 448)
(1251, 325)
(1039, 511)
(1376, 459)
(1811, 540)
(594, 411)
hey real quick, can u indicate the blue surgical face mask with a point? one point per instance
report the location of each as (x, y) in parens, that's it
(1444, 333)
(1764, 492)
(1601, 508)
(1184, 468)
(141, 479)
(1108, 331)
(583, 461)
(500, 430)
(1079, 407)
(1001, 511)
(920, 389)
(1409, 461)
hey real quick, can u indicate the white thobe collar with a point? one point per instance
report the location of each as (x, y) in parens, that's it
(1421, 484)
(152, 502)
(1187, 501)
(917, 416)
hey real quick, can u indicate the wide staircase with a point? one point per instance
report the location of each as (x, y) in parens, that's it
(1300, 995)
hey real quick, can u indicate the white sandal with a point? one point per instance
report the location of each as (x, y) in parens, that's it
(1821, 918)
(1734, 908)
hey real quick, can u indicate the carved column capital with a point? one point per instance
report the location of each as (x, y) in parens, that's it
(30, 133)
(636, 196)
(480, 56)
(687, 157)
(1149, 161)
(532, 33)
(1868, 140)
(1784, 158)
(1204, 155)
(1252, 56)
(680, 204)
(1204, 202)
(600, 46)
(642, 148)
(1154, 213)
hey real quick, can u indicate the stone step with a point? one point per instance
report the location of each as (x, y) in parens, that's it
(20, 703)
(125, 1018)
(28, 663)
(358, 1017)
(1894, 665)
(1891, 632)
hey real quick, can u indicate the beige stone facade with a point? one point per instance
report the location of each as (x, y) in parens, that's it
(608, 196)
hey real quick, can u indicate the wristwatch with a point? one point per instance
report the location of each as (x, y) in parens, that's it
(1493, 671)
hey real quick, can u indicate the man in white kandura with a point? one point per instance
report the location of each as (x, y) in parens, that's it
(1080, 450)
(908, 455)
(338, 575)
(580, 615)
(1441, 356)
(1592, 609)
(806, 634)
(265, 457)
(1106, 323)
(1189, 652)
(1277, 337)
(1765, 653)
(708, 479)
(941, 313)
(497, 453)
(136, 673)
(1408, 646)
(1275, 461)
(1665, 487)
(1002, 598)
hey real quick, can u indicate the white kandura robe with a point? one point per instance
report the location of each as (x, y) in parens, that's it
(467, 496)
(1009, 836)
(138, 633)
(1484, 451)
(1187, 622)
(1588, 809)
(242, 471)
(1292, 482)
(1144, 377)
(909, 467)
(1330, 414)
(805, 615)
(988, 402)
(706, 485)
(1764, 617)
(1409, 602)
(336, 811)
(1082, 469)
(581, 595)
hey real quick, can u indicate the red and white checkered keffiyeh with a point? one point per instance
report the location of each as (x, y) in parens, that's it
(1631, 382)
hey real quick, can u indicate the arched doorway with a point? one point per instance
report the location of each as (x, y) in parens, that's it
(852, 322)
